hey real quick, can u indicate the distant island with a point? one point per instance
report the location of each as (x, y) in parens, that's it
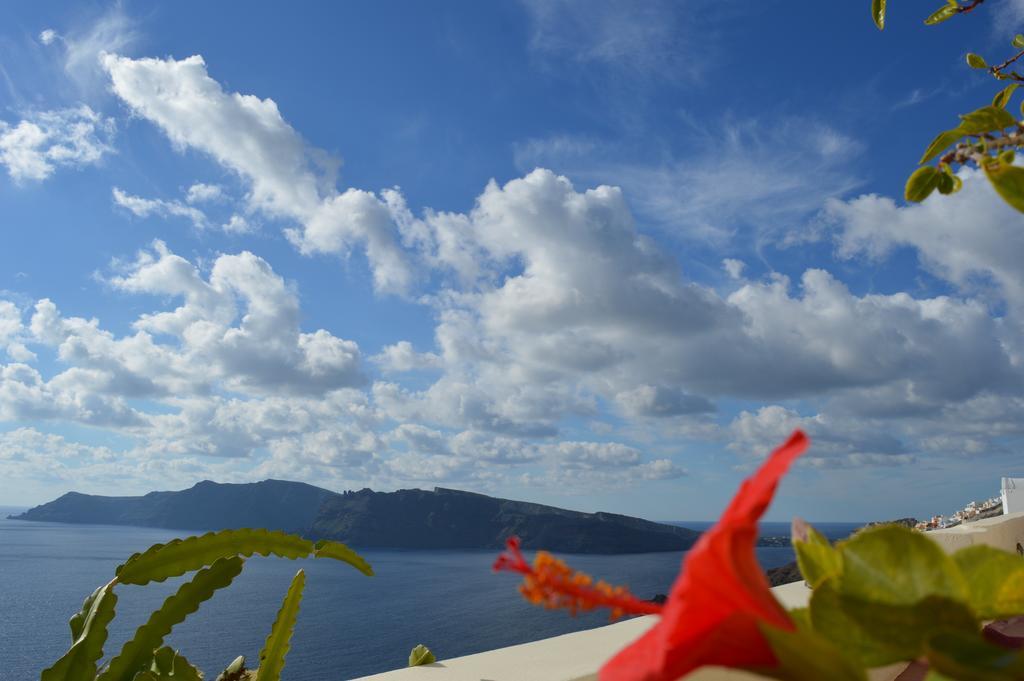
(405, 519)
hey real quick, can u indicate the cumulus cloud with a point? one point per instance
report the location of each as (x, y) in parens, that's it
(402, 357)
(34, 147)
(969, 239)
(249, 136)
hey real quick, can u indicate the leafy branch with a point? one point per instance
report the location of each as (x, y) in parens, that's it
(986, 138)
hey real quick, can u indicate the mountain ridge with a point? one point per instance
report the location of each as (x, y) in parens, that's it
(405, 519)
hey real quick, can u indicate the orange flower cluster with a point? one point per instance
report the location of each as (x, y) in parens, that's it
(553, 584)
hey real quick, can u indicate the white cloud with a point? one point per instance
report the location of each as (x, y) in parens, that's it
(656, 40)
(738, 176)
(204, 193)
(402, 357)
(248, 135)
(37, 145)
(965, 238)
(146, 207)
(47, 36)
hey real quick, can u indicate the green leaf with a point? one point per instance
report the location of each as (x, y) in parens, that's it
(832, 621)
(79, 663)
(1011, 595)
(801, 618)
(1002, 97)
(77, 621)
(137, 654)
(169, 665)
(817, 559)
(1008, 182)
(986, 119)
(280, 637)
(878, 13)
(967, 657)
(976, 61)
(1018, 41)
(942, 141)
(944, 13)
(421, 655)
(879, 633)
(986, 570)
(895, 565)
(921, 183)
(179, 556)
(806, 656)
(338, 551)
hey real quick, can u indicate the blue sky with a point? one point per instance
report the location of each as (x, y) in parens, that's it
(603, 255)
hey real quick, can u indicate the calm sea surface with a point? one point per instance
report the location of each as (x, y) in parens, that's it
(350, 625)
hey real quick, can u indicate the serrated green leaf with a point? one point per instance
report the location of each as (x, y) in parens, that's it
(986, 119)
(170, 665)
(179, 556)
(278, 642)
(921, 183)
(421, 655)
(79, 663)
(969, 657)
(816, 557)
(77, 621)
(338, 551)
(986, 570)
(878, 13)
(805, 656)
(942, 14)
(1018, 41)
(941, 142)
(1008, 182)
(976, 61)
(1002, 97)
(137, 653)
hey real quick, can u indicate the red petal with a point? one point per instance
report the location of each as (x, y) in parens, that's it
(712, 614)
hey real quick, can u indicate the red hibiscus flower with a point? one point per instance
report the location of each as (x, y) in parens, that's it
(720, 598)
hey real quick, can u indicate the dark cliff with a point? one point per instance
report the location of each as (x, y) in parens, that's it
(407, 519)
(452, 519)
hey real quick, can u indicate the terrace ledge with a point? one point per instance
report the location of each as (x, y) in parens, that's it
(578, 656)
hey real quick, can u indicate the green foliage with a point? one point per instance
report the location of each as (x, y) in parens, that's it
(1003, 97)
(421, 655)
(279, 640)
(890, 594)
(947, 11)
(169, 665)
(970, 658)
(807, 656)
(976, 61)
(338, 551)
(218, 557)
(922, 183)
(179, 556)
(983, 136)
(89, 631)
(817, 559)
(137, 654)
(1008, 181)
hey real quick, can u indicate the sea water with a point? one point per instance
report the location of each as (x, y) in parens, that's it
(349, 625)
